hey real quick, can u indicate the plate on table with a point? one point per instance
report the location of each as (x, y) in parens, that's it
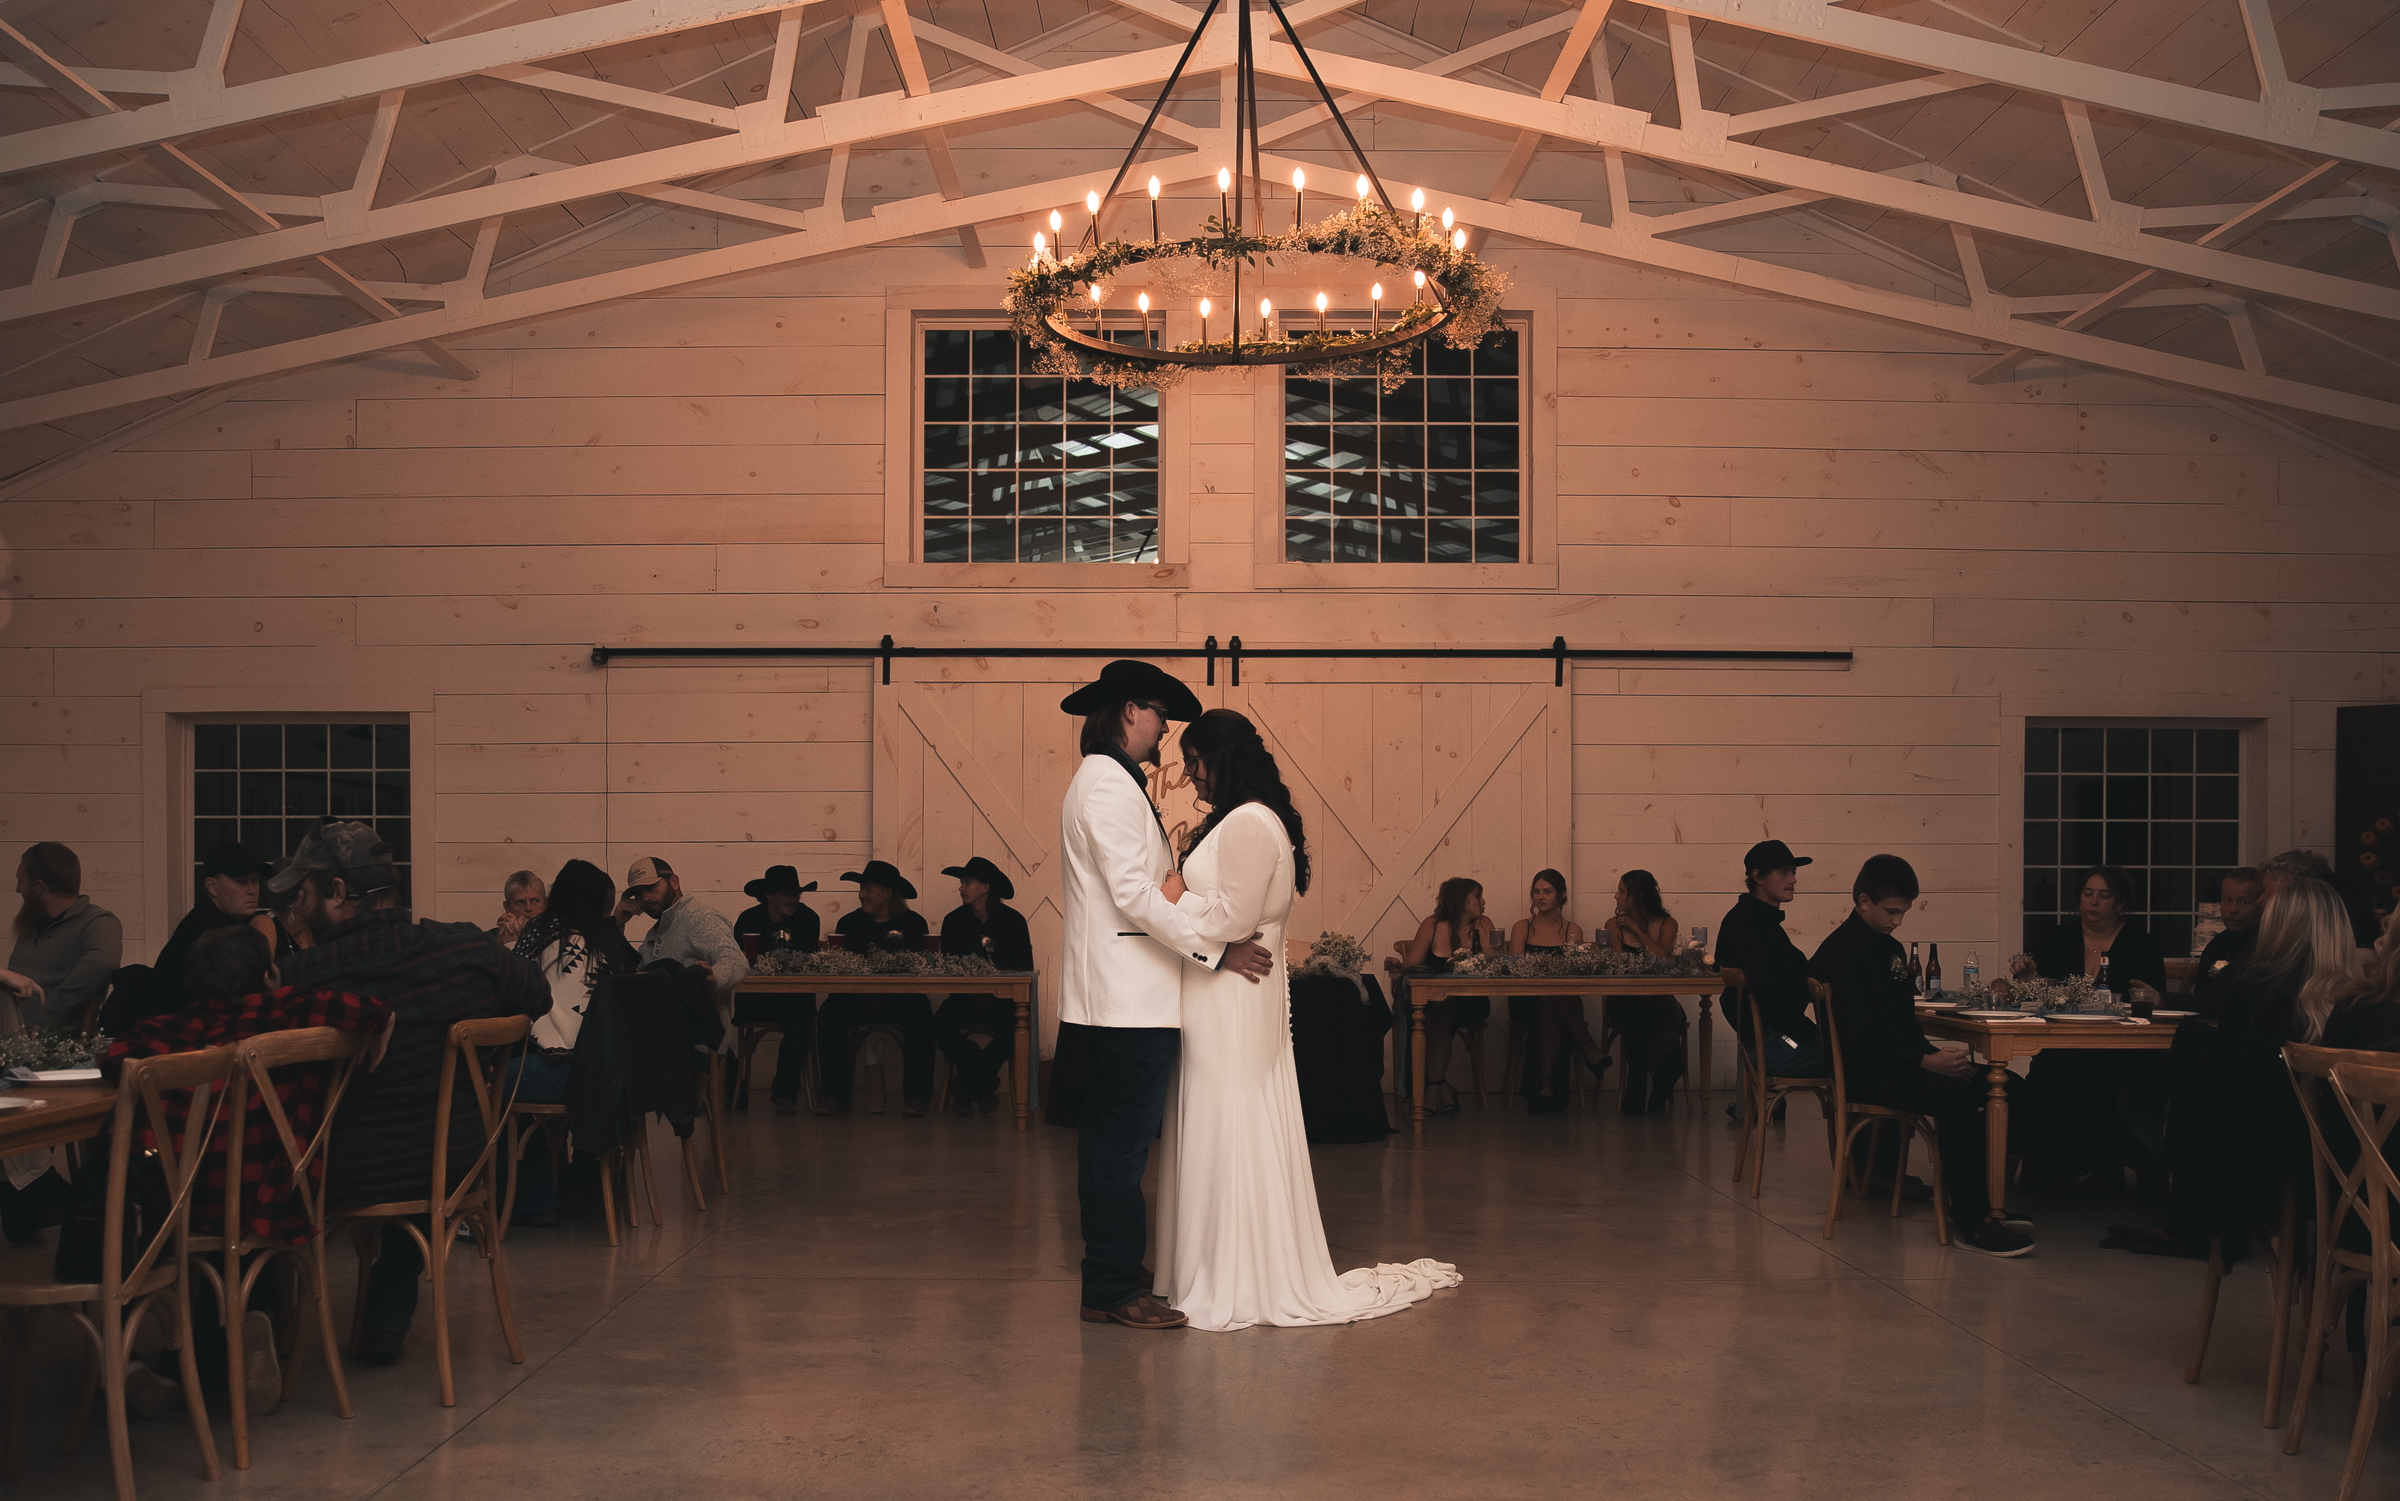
(17, 1102)
(1998, 1016)
(2084, 1018)
(2162, 1014)
(1939, 1005)
(66, 1075)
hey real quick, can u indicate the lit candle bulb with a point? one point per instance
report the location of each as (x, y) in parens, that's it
(1458, 240)
(1091, 206)
(1374, 306)
(1041, 245)
(1446, 218)
(1299, 196)
(1224, 185)
(1057, 221)
(1266, 320)
(1096, 309)
(1416, 205)
(1153, 210)
(1364, 187)
(1420, 286)
(1320, 312)
(1203, 320)
(1143, 302)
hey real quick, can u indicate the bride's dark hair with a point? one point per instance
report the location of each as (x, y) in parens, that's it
(1241, 770)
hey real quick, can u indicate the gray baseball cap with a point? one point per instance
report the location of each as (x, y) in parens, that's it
(349, 849)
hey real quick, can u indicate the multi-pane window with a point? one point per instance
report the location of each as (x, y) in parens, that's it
(1020, 466)
(264, 786)
(1431, 472)
(2163, 803)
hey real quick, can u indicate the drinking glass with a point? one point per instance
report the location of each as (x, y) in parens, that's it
(1700, 938)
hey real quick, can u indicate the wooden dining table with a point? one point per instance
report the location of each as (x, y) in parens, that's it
(67, 1113)
(2001, 1041)
(1424, 990)
(1021, 987)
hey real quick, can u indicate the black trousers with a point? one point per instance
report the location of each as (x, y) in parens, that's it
(1126, 1070)
(978, 1063)
(1956, 1107)
(797, 1015)
(913, 1014)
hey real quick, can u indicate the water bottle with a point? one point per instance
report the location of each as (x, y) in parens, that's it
(1972, 976)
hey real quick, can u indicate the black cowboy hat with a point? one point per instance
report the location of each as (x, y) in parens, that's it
(883, 873)
(980, 869)
(777, 878)
(1126, 681)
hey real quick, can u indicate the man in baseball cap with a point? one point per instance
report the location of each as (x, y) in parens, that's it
(690, 932)
(1752, 940)
(345, 890)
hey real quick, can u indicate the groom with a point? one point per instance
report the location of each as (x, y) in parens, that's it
(1121, 974)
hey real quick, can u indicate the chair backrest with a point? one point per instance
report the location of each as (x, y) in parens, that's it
(2340, 1186)
(1820, 995)
(2369, 1094)
(2180, 974)
(1747, 1035)
(258, 1056)
(467, 1040)
(141, 1087)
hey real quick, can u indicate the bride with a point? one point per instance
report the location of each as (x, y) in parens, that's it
(1239, 1238)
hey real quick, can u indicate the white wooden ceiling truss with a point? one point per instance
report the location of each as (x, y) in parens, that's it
(173, 233)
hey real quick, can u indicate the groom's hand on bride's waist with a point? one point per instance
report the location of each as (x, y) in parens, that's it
(1249, 959)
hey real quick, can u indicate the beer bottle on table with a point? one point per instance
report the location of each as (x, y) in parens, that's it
(2101, 980)
(1916, 973)
(1933, 971)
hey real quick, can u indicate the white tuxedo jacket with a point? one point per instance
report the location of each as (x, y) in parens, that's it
(1125, 943)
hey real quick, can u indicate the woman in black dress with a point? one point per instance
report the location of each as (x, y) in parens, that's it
(1653, 1026)
(1457, 929)
(1548, 1020)
(2098, 1111)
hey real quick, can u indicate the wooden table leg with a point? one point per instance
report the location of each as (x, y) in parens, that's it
(1995, 1141)
(1416, 1062)
(1024, 1059)
(1708, 1048)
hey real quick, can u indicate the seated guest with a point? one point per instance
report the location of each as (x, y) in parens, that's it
(1457, 929)
(982, 923)
(522, 897)
(1752, 939)
(1549, 1020)
(882, 920)
(346, 891)
(689, 932)
(575, 940)
(229, 882)
(66, 948)
(1886, 1059)
(2240, 896)
(780, 921)
(2099, 1109)
(233, 993)
(1653, 1026)
(2294, 865)
(2234, 1131)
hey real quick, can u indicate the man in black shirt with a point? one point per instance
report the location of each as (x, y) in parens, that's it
(780, 921)
(1752, 940)
(229, 881)
(2240, 898)
(883, 920)
(1886, 1059)
(984, 924)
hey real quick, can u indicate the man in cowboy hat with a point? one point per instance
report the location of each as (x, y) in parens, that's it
(983, 924)
(780, 921)
(882, 920)
(1121, 974)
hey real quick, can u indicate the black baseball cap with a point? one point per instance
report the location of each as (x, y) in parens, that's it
(1773, 854)
(233, 860)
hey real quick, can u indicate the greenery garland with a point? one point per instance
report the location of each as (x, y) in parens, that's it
(47, 1048)
(1367, 232)
(1586, 961)
(2072, 996)
(883, 962)
(1335, 954)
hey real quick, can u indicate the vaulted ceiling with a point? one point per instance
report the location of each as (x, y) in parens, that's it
(197, 195)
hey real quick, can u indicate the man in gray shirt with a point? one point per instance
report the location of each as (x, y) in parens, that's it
(66, 948)
(687, 932)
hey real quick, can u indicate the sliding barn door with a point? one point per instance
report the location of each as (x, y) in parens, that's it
(1402, 778)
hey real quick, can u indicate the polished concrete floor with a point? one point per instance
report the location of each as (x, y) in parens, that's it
(886, 1308)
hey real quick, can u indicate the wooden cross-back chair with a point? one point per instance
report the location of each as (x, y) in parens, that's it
(220, 1257)
(1470, 1038)
(472, 1204)
(1851, 1118)
(2335, 1270)
(2367, 1096)
(159, 1278)
(1762, 1091)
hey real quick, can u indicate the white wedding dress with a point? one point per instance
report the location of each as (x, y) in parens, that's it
(1239, 1238)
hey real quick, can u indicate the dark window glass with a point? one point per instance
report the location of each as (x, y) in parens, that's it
(291, 777)
(1056, 464)
(1444, 445)
(2129, 795)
